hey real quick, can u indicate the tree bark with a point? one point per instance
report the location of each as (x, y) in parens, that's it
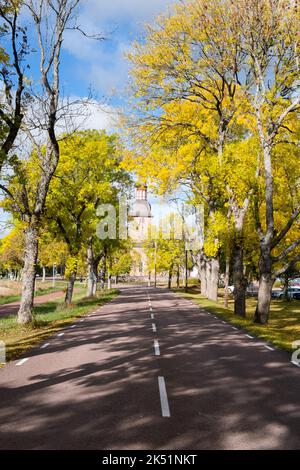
(92, 274)
(212, 278)
(203, 274)
(226, 281)
(266, 281)
(240, 282)
(170, 277)
(178, 278)
(29, 271)
(102, 274)
(70, 289)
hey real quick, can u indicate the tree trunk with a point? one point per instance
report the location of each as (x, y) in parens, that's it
(44, 274)
(240, 282)
(178, 277)
(207, 277)
(203, 274)
(29, 272)
(70, 289)
(170, 277)
(226, 281)
(92, 275)
(212, 278)
(102, 274)
(266, 281)
(186, 274)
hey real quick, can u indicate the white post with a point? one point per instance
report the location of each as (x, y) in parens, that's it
(2, 353)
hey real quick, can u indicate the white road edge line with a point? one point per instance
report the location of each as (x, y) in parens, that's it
(164, 403)
(153, 327)
(22, 361)
(269, 347)
(45, 345)
(156, 348)
(152, 316)
(295, 363)
(150, 309)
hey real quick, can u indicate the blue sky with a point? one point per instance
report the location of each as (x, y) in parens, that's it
(102, 65)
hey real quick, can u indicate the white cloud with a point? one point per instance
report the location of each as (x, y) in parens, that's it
(101, 11)
(99, 117)
(104, 65)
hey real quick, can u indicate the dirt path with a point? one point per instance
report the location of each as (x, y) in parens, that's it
(13, 307)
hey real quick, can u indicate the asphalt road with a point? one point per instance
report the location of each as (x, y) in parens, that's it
(158, 374)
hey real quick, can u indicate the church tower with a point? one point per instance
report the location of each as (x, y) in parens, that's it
(139, 228)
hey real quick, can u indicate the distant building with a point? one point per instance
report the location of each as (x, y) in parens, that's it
(139, 226)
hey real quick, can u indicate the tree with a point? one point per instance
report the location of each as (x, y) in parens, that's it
(11, 250)
(186, 87)
(203, 92)
(27, 192)
(51, 251)
(165, 253)
(88, 174)
(14, 96)
(269, 39)
(121, 260)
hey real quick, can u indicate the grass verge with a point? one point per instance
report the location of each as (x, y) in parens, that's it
(49, 318)
(284, 323)
(41, 290)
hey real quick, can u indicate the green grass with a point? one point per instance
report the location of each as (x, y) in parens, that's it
(41, 290)
(48, 318)
(284, 322)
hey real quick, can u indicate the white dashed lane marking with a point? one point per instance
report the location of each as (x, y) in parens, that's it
(156, 348)
(20, 363)
(164, 403)
(154, 327)
(269, 347)
(45, 345)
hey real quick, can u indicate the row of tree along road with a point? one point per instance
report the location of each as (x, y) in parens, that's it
(215, 88)
(217, 94)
